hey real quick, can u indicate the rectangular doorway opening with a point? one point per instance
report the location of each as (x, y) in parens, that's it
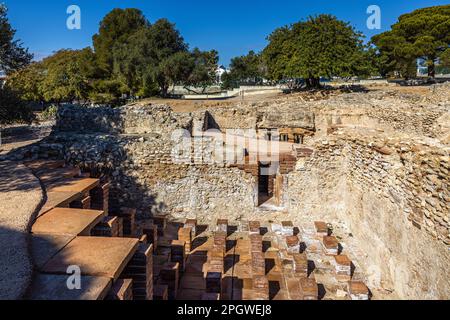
(265, 184)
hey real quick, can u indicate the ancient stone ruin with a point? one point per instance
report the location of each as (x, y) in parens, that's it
(349, 200)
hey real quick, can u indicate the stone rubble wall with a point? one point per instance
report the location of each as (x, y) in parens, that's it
(413, 114)
(393, 194)
(144, 175)
(262, 115)
(142, 119)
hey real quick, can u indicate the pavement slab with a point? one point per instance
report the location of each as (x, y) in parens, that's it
(96, 256)
(54, 287)
(68, 221)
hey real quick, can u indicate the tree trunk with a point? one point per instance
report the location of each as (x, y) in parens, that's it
(431, 69)
(164, 90)
(313, 83)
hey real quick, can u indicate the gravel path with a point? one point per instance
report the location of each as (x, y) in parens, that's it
(20, 196)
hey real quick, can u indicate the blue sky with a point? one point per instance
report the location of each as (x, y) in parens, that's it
(232, 27)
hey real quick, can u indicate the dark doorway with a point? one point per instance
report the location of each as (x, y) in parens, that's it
(265, 191)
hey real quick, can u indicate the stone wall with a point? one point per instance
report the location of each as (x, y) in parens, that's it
(260, 115)
(393, 194)
(144, 175)
(142, 119)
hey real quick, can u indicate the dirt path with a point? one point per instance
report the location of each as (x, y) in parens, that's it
(20, 196)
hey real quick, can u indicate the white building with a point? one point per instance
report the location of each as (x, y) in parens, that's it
(219, 73)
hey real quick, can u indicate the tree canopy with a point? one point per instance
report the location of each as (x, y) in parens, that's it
(131, 57)
(321, 46)
(13, 57)
(116, 28)
(423, 33)
(247, 69)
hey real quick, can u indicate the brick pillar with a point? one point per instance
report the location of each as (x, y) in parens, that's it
(260, 287)
(160, 222)
(160, 292)
(83, 203)
(178, 253)
(121, 290)
(100, 197)
(185, 234)
(128, 216)
(170, 275)
(140, 269)
(109, 227)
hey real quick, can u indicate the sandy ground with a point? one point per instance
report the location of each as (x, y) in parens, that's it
(20, 196)
(179, 105)
(17, 136)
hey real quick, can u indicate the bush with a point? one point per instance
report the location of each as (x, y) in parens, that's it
(50, 113)
(12, 109)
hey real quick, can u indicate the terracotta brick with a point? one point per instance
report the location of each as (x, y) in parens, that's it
(300, 264)
(293, 244)
(161, 222)
(220, 238)
(191, 223)
(169, 275)
(330, 245)
(140, 269)
(254, 227)
(222, 225)
(258, 264)
(256, 243)
(109, 227)
(185, 234)
(210, 296)
(309, 289)
(287, 228)
(129, 221)
(151, 231)
(160, 292)
(213, 280)
(358, 290)
(321, 228)
(121, 290)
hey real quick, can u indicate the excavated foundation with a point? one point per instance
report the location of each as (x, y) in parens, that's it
(372, 166)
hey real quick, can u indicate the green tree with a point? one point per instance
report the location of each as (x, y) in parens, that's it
(173, 70)
(423, 33)
(445, 58)
(321, 46)
(138, 62)
(12, 55)
(247, 69)
(278, 53)
(12, 109)
(26, 82)
(203, 73)
(116, 27)
(68, 75)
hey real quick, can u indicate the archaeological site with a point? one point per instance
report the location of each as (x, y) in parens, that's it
(273, 155)
(336, 195)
